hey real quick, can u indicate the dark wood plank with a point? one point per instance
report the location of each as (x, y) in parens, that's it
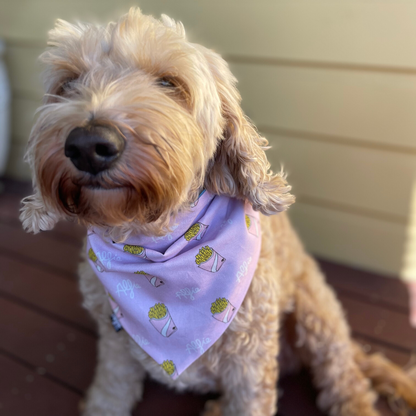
(390, 292)
(297, 396)
(159, 400)
(9, 212)
(384, 408)
(373, 345)
(13, 186)
(59, 297)
(9, 206)
(387, 326)
(64, 352)
(71, 231)
(24, 392)
(56, 254)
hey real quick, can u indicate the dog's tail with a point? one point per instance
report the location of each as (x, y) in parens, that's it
(388, 379)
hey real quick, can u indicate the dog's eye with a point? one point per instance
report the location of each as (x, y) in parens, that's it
(66, 86)
(166, 82)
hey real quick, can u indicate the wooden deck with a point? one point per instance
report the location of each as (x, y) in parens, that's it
(48, 342)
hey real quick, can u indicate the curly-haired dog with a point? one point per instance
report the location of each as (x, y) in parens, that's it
(152, 119)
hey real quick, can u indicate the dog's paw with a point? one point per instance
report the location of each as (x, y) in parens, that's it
(34, 216)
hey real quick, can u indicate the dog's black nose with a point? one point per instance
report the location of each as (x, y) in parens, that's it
(94, 148)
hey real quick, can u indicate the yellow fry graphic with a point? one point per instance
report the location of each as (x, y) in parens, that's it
(192, 232)
(168, 366)
(132, 249)
(219, 305)
(204, 254)
(92, 255)
(141, 272)
(248, 221)
(158, 311)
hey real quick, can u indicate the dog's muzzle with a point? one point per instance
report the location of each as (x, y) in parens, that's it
(94, 148)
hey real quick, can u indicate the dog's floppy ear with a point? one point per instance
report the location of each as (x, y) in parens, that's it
(240, 167)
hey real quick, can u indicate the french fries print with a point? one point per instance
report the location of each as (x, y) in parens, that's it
(138, 251)
(222, 310)
(170, 368)
(161, 320)
(252, 225)
(208, 259)
(196, 232)
(153, 280)
(97, 263)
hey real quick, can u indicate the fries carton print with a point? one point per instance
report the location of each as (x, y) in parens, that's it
(170, 368)
(97, 263)
(222, 310)
(153, 280)
(252, 225)
(138, 251)
(208, 259)
(196, 232)
(161, 320)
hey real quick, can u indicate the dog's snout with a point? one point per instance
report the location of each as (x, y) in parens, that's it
(94, 148)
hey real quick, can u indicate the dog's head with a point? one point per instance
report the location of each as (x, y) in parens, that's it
(135, 120)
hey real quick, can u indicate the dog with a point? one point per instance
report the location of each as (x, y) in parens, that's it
(136, 123)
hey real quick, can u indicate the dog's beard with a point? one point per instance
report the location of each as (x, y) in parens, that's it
(98, 201)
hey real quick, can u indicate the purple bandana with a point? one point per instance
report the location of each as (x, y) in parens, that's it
(175, 295)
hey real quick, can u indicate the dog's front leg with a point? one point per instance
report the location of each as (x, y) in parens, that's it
(118, 380)
(324, 342)
(248, 370)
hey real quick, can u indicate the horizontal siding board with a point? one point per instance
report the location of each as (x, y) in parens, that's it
(365, 179)
(351, 239)
(16, 167)
(24, 69)
(376, 33)
(23, 117)
(374, 107)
